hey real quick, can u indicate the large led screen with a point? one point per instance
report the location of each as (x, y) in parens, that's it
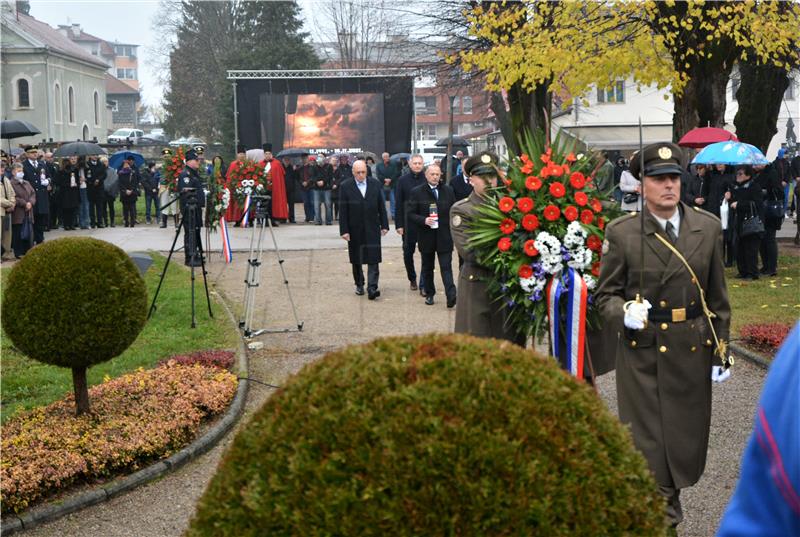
(330, 122)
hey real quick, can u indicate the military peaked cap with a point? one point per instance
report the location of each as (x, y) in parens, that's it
(659, 159)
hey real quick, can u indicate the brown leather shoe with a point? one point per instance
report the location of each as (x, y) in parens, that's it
(414, 286)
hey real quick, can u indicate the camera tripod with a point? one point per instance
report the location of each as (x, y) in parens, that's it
(253, 278)
(189, 216)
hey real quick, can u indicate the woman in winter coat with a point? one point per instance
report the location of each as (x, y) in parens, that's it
(68, 181)
(630, 187)
(128, 192)
(8, 200)
(746, 199)
(25, 200)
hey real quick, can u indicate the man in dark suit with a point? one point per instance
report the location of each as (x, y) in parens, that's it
(460, 183)
(429, 210)
(36, 174)
(405, 184)
(362, 223)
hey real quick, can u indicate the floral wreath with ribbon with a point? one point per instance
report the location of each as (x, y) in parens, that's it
(218, 198)
(541, 233)
(247, 177)
(173, 165)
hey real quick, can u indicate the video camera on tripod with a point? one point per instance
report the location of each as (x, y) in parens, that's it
(189, 195)
(262, 202)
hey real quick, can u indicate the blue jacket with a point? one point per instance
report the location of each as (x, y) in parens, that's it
(767, 499)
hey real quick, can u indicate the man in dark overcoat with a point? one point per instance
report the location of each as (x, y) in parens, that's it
(362, 223)
(666, 351)
(433, 232)
(36, 174)
(405, 185)
(96, 173)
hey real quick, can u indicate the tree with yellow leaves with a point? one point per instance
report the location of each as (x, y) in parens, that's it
(689, 46)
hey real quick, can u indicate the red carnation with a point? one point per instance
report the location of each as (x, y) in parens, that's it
(530, 249)
(587, 216)
(504, 244)
(577, 180)
(508, 225)
(557, 189)
(506, 204)
(525, 271)
(581, 199)
(530, 222)
(596, 268)
(525, 204)
(594, 243)
(551, 212)
(596, 205)
(601, 222)
(571, 213)
(533, 183)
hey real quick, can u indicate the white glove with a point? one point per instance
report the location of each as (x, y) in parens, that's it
(636, 314)
(718, 374)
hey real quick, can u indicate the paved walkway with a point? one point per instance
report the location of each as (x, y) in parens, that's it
(320, 282)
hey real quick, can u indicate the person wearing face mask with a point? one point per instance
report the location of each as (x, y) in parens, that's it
(95, 172)
(68, 182)
(22, 219)
(8, 199)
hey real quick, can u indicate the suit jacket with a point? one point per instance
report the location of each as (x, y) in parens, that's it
(402, 193)
(461, 187)
(363, 217)
(420, 200)
(664, 370)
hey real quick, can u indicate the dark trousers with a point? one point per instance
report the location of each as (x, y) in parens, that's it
(108, 217)
(96, 210)
(747, 255)
(68, 217)
(191, 235)
(55, 213)
(39, 227)
(445, 268)
(20, 246)
(409, 245)
(149, 198)
(373, 273)
(769, 251)
(308, 204)
(291, 211)
(729, 241)
(674, 508)
(129, 210)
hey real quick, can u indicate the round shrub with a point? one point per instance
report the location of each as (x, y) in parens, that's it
(74, 302)
(432, 435)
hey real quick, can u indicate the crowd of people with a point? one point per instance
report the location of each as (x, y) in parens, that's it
(752, 202)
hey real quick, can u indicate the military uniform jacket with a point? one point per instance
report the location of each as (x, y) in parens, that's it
(34, 177)
(664, 371)
(476, 313)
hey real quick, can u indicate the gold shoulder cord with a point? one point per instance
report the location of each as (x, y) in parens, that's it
(721, 345)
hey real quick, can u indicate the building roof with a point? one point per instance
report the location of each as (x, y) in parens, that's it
(45, 35)
(115, 86)
(82, 36)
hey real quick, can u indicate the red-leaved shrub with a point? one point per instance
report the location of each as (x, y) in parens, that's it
(208, 358)
(765, 336)
(135, 419)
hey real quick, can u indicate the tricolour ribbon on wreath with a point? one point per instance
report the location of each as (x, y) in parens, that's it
(246, 211)
(226, 240)
(568, 347)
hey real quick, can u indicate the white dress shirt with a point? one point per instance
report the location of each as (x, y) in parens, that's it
(675, 219)
(362, 187)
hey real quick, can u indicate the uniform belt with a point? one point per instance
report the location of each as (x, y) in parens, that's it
(674, 315)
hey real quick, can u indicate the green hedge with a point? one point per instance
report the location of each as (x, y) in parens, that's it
(432, 435)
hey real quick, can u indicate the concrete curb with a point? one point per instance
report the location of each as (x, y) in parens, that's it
(54, 510)
(750, 355)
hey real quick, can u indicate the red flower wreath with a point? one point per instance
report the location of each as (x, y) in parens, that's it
(533, 183)
(551, 212)
(504, 244)
(530, 249)
(525, 271)
(557, 190)
(581, 198)
(530, 222)
(508, 225)
(596, 205)
(577, 180)
(594, 243)
(587, 216)
(571, 213)
(506, 204)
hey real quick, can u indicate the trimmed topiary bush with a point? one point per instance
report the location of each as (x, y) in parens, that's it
(74, 302)
(432, 435)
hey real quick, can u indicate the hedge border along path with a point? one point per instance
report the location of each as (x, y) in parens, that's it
(747, 354)
(54, 510)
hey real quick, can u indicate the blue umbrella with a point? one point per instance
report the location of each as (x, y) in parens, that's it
(732, 153)
(115, 160)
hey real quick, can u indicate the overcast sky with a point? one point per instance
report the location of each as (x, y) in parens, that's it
(118, 20)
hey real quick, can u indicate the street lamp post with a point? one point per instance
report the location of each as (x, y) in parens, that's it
(449, 171)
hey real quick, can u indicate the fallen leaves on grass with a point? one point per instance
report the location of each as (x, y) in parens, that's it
(135, 419)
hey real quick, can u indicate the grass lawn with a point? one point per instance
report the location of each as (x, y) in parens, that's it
(27, 383)
(767, 300)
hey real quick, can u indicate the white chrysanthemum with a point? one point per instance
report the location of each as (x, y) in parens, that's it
(591, 282)
(547, 244)
(527, 284)
(226, 198)
(580, 259)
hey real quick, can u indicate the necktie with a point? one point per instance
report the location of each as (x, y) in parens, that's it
(435, 193)
(671, 233)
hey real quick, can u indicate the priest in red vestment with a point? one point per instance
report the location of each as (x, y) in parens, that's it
(234, 212)
(280, 203)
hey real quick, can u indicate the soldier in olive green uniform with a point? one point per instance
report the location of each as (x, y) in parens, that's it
(476, 312)
(664, 363)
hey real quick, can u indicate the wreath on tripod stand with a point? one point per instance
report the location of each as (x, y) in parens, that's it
(247, 178)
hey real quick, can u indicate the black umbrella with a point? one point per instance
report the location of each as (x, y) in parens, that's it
(457, 141)
(398, 156)
(293, 152)
(16, 128)
(78, 149)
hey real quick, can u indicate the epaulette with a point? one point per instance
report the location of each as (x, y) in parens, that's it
(706, 213)
(623, 218)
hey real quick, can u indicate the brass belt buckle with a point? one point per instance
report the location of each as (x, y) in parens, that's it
(678, 315)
